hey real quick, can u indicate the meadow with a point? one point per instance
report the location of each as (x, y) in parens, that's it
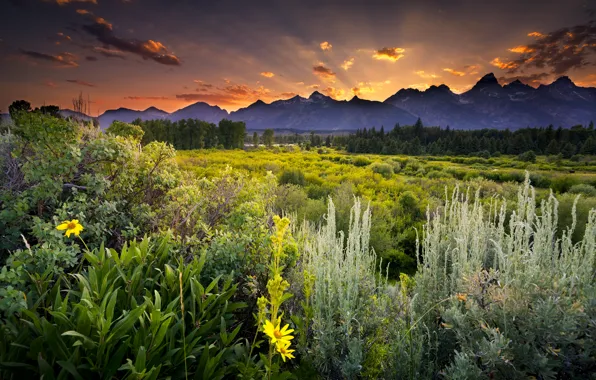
(122, 258)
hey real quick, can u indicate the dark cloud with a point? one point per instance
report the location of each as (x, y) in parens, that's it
(389, 54)
(61, 60)
(323, 72)
(91, 58)
(532, 79)
(109, 53)
(148, 49)
(559, 51)
(81, 82)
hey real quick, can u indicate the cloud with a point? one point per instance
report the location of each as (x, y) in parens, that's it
(389, 54)
(60, 60)
(81, 82)
(287, 95)
(148, 49)
(425, 75)
(267, 74)
(334, 93)
(535, 34)
(521, 49)
(454, 72)
(532, 79)
(323, 72)
(588, 81)
(231, 95)
(109, 53)
(314, 86)
(326, 45)
(511, 65)
(419, 86)
(91, 58)
(300, 83)
(83, 12)
(49, 83)
(348, 63)
(146, 98)
(558, 52)
(62, 38)
(64, 2)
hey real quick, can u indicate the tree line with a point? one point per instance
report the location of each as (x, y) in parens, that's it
(194, 134)
(418, 140)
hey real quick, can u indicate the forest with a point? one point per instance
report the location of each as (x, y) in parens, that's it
(186, 250)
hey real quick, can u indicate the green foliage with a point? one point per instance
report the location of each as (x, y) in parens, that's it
(292, 176)
(138, 313)
(119, 128)
(513, 298)
(386, 170)
(528, 156)
(268, 137)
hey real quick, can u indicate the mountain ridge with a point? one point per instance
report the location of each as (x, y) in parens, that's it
(488, 104)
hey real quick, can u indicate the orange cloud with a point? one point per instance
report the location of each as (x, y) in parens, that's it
(110, 53)
(267, 74)
(425, 75)
(348, 63)
(454, 72)
(146, 98)
(535, 34)
(49, 83)
(323, 72)
(334, 93)
(232, 96)
(326, 45)
(154, 46)
(419, 86)
(314, 86)
(287, 95)
(64, 2)
(389, 54)
(521, 49)
(504, 65)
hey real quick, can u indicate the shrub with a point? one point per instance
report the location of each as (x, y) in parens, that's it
(119, 128)
(512, 298)
(528, 156)
(361, 161)
(584, 189)
(383, 169)
(343, 282)
(292, 176)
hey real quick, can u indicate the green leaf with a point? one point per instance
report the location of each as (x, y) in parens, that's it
(69, 366)
(46, 371)
(126, 323)
(140, 359)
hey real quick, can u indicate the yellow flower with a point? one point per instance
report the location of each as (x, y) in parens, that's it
(282, 336)
(462, 297)
(71, 227)
(284, 350)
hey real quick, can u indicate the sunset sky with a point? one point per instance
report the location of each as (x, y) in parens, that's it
(171, 53)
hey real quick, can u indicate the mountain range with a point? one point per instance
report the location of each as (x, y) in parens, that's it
(486, 105)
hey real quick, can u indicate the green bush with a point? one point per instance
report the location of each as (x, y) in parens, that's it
(383, 169)
(292, 176)
(361, 161)
(584, 189)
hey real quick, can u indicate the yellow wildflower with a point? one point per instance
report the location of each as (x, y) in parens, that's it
(462, 297)
(285, 352)
(71, 227)
(273, 331)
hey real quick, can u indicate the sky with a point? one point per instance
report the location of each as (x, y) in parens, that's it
(172, 53)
